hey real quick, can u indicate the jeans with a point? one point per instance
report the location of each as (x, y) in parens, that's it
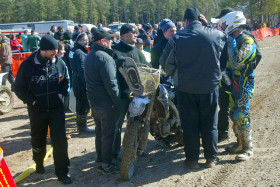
(105, 132)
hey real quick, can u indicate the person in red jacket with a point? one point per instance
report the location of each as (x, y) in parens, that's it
(15, 45)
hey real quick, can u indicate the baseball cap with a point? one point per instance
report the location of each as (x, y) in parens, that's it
(101, 34)
(139, 41)
(126, 28)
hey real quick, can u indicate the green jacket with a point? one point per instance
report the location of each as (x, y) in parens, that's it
(123, 49)
(33, 42)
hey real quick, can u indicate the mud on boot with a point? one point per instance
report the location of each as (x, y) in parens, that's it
(236, 147)
(82, 125)
(246, 139)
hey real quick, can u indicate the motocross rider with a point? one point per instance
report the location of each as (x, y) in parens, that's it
(240, 69)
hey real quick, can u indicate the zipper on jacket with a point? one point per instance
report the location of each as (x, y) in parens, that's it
(47, 78)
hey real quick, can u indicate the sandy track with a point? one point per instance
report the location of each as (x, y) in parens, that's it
(165, 166)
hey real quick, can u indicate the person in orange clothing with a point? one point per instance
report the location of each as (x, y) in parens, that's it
(20, 41)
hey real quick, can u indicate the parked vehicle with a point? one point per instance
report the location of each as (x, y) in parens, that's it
(150, 110)
(115, 26)
(8, 32)
(6, 97)
(42, 27)
(88, 27)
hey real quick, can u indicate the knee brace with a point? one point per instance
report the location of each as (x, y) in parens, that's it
(242, 119)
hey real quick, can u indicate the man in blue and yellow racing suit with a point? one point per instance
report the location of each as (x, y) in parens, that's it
(240, 71)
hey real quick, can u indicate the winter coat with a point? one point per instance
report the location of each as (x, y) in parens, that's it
(68, 47)
(100, 75)
(77, 61)
(192, 57)
(123, 49)
(5, 53)
(15, 44)
(33, 42)
(58, 35)
(24, 44)
(41, 81)
(157, 51)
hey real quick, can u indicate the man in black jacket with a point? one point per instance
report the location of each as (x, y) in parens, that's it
(125, 48)
(77, 61)
(41, 82)
(103, 95)
(192, 58)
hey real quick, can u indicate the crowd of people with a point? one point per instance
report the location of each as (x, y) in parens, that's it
(210, 67)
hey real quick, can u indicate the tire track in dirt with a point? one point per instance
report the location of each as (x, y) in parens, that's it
(221, 175)
(262, 107)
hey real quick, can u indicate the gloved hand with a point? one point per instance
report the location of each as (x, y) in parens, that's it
(243, 100)
(232, 43)
(225, 87)
(119, 62)
(225, 78)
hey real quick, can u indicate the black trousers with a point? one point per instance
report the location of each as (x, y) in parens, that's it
(124, 103)
(55, 119)
(82, 105)
(223, 116)
(9, 76)
(198, 114)
(105, 132)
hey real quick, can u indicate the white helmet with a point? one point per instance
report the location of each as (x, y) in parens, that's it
(233, 20)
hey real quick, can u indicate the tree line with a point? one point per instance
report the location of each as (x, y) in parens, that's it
(132, 11)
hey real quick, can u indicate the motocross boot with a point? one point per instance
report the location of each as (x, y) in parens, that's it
(82, 125)
(246, 139)
(236, 147)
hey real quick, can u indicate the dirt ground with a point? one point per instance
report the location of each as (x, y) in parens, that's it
(165, 166)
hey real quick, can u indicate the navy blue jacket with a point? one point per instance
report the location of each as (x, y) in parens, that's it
(192, 57)
(77, 57)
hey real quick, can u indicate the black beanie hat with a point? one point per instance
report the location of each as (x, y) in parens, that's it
(67, 35)
(48, 43)
(191, 14)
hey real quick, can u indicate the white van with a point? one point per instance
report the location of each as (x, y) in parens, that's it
(88, 27)
(42, 27)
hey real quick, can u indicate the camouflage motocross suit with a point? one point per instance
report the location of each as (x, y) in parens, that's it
(241, 64)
